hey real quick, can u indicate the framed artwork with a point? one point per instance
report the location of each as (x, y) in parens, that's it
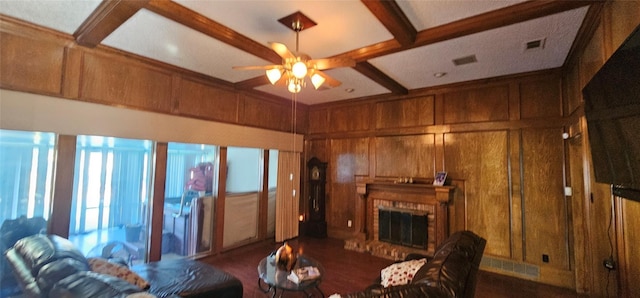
(440, 178)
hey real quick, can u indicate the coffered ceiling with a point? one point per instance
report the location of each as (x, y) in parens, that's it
(398, 45)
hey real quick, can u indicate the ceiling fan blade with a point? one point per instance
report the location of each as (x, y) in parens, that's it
(327, 63)
(264, 67)
(329, 81)
(282, 50)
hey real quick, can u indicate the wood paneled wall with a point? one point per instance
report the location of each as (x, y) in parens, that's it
(40, 61)
(603, 225)
(503, 138)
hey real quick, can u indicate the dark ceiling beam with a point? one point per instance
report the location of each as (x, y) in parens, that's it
(393, 18)
(105, 19)
(193, 20)
(380, 77)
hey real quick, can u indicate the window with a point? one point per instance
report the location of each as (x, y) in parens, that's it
(190, 190)
(244, 186)
(110, 197)
(27, 160)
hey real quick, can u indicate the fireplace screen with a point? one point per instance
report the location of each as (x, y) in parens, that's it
(403, 227)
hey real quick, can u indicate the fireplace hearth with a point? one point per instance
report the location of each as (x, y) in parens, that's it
(404, 227)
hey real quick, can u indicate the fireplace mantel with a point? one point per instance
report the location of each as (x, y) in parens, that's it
(421, 193)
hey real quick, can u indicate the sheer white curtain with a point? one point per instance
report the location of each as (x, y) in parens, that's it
(287, 194)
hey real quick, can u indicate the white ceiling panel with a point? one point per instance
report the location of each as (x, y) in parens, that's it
(428, 14)
(150, 35)
(341, 25)
(499, 52)
(61, 15)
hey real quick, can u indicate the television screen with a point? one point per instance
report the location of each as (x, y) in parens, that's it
(612, 109)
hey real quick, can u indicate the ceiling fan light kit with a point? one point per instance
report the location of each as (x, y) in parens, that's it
(274, 75)
(296, 66)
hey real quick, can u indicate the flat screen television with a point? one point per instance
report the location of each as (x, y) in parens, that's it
(612, 110)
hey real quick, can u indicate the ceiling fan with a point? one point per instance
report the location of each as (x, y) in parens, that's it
(297, 66)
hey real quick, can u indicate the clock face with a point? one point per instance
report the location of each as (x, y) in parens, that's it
(315, 173)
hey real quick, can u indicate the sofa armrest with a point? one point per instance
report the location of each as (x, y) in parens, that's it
(39, 250)
(23, 274)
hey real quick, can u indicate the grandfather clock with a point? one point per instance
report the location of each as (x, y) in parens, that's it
(316, 226)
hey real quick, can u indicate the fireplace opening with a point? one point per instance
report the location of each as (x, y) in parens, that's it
(402, 227)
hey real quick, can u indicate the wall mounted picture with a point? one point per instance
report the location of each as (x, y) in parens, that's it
(440, 178)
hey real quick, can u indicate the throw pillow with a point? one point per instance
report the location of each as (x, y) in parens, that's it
(105, 267)
(400, 273)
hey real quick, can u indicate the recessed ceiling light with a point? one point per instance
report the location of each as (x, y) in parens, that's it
(349, 90)
(439, 74)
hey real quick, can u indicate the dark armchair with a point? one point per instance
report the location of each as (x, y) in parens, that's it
(450, 273)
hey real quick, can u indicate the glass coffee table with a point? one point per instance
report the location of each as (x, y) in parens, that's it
(271, 279)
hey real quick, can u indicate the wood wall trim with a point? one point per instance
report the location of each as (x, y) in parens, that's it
(263, 205)
(434, 129)
(218, 244)
(72, 69)
(21, 28)
(157, 202)
(60, 216)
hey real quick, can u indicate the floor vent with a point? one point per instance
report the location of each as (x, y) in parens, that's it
(517, 268)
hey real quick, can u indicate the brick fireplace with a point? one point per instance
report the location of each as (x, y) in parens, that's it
(410, 198)
(402, 223)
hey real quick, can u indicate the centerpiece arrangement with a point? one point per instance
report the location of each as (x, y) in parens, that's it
(285, 260)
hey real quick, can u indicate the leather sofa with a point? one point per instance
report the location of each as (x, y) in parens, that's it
(50, 266)
(450, 273)
(11, 231)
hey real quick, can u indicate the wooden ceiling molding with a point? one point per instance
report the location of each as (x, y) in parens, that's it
(252, 83)
(381, 78)
(107, 17)
(392, 17)
(195, 21)
(495, 19)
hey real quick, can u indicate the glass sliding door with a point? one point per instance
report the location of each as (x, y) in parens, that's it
(27, 160)
(190, 190)
(110, 198)
(244, 185)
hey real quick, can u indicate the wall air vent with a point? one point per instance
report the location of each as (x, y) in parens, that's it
(510, 267)
(537, 44)
(465, 60)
